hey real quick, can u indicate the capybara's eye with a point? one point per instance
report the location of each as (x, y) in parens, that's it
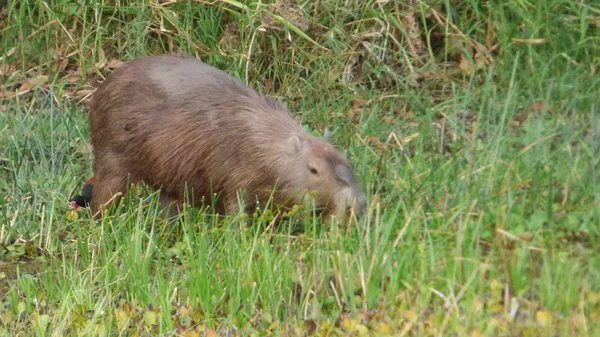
(313, 170)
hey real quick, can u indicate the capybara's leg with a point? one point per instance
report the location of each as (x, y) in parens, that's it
(168, 205)
(111, 183)
(107, 190)
(233, 205)
(236, 209)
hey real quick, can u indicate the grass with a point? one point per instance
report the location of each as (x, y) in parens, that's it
(475, 129)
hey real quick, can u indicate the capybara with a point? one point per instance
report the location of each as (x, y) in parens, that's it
(176, 123)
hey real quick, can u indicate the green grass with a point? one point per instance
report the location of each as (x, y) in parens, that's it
(482, 182)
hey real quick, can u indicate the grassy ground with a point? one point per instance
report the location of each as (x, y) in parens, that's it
(475, 129)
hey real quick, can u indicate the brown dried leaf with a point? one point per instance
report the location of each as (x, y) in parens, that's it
(7, 69)
(60, 65)
(539, 107)
(376, 144)
(114, 64)
(26, 86)
(39, 80)
(73, 78)
(7, 94)
(101, 60)
(83, 92)
(268, 84)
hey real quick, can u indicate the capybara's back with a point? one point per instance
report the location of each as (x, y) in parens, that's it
(174, 122)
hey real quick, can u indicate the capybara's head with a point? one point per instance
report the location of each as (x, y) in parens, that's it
(316, 166)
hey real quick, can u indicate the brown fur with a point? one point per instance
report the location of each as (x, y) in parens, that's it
(170, 120)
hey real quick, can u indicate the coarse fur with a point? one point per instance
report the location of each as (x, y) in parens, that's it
(172, 122)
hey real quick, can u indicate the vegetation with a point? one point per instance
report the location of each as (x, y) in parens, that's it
(474, 126)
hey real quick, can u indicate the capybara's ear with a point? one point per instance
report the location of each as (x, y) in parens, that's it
(344, 173)
(295, 144)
